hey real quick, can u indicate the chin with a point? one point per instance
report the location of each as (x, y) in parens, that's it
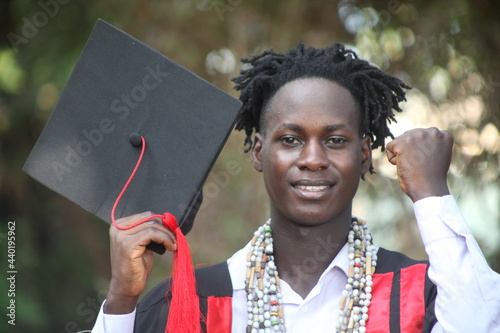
(311, 219)
(314, 217)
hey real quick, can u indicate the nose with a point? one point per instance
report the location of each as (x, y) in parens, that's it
(313, 157)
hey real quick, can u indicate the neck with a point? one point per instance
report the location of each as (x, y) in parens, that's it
(262, 281)
(302, 253)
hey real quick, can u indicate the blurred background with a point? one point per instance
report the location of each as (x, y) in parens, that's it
(447, 50)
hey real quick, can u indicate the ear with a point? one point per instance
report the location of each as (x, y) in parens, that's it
(366, 154)
(257, 152)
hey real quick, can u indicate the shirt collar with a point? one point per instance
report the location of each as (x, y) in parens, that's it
(238, 262)
(341, 261)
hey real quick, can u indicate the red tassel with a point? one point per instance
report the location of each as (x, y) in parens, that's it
(184, 314)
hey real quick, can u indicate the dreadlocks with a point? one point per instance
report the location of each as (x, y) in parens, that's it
(375, 92)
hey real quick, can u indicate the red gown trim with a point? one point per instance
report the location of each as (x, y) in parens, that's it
(380, 306)
(219, 314)
(412, 307)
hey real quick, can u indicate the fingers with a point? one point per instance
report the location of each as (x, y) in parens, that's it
(131, 260)
(422, 157)
(389, 151)
(129, 220)
(145, 233)
(419, 144)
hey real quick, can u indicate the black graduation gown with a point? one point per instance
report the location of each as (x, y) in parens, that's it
(403, 298)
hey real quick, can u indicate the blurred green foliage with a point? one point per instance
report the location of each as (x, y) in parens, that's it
(447, 50)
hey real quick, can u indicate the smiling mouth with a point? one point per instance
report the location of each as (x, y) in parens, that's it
(316, 188)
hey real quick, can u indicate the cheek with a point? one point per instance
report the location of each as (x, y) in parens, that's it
(270, 168)
(348, 164)
(275, 167)
(282, 162)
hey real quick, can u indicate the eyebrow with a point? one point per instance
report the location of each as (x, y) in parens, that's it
(327, 128)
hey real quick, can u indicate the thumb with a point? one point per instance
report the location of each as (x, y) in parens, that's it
(391, 155)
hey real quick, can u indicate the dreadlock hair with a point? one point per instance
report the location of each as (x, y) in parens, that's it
(376, 93)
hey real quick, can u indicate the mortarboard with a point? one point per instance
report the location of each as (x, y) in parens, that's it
(121, 98)
(119, 90)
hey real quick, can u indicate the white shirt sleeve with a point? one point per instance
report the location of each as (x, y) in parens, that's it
(468, 290)
(110, 323)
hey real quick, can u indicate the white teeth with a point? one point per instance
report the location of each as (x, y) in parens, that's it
(312, 188)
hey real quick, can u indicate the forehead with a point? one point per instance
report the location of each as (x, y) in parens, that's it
(313, 99)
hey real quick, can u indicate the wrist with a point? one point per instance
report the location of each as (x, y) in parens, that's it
(440, 192)
(120, 304)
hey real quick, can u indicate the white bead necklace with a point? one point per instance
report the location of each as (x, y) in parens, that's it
(264, 299)
(262, 284)
(356, 297)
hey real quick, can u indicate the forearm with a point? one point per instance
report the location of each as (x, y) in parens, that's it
(464, 281)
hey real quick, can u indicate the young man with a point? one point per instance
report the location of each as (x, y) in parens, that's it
(311, 118)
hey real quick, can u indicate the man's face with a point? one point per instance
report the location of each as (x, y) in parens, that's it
(310, 151)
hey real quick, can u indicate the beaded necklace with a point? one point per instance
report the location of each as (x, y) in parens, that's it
(262, 284)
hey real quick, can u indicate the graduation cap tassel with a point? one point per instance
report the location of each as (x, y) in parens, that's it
(184, 313)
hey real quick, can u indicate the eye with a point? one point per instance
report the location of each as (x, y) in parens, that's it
(290, 141)
(335, 141)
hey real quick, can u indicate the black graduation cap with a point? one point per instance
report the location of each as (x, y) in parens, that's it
(120, 90)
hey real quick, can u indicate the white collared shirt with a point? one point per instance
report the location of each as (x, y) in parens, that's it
(318, 309)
